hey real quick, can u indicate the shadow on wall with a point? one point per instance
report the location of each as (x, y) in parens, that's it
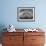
(2, 26)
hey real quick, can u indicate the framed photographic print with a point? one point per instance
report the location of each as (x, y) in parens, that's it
(26, 14)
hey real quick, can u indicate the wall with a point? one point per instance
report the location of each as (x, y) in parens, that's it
(8, 13)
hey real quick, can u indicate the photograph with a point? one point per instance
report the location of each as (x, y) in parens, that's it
(26, 14)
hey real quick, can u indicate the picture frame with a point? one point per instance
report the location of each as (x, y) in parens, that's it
(26, 14)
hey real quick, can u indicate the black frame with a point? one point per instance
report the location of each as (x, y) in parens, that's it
(27, 9)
